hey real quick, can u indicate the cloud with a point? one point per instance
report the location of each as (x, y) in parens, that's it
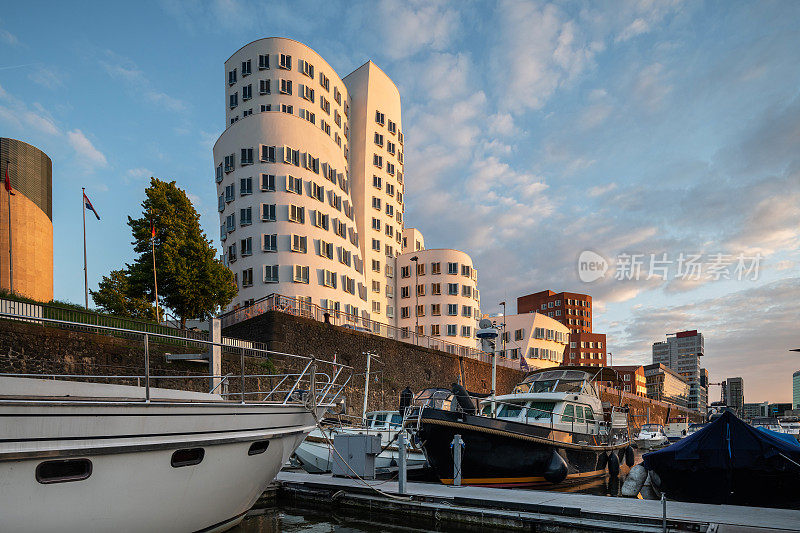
(8, 38)
(650, 87)
(47, 77)
(637, 27)
(136, 82)
(415, 26)
(600, 190)
(137, 174)
(85, 150)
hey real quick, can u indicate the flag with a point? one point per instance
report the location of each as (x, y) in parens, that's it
(8, 181)
(89, 205)
(523, 364)
(152, 229)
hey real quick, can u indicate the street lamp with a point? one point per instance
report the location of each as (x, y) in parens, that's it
(415, 259)
(609, 359)
(504, 328)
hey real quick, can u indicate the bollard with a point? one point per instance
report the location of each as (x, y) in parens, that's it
(664, 512)
(457, 446)
(401, 448)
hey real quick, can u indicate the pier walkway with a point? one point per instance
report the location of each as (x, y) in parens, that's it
(514, 508)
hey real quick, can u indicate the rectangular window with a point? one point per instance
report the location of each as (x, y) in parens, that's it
(436, 309)
(337, 96)
(378, 139)
(221, 203)
(405, 312)
(230, 223)
(380, 118)
(270, 242)
(246, 246)
(299, 243)
(376, 203)
(289, 110)
(436, 268)
(436, 288)
(324, 81)
(452, 268)
(306, 68)
(390, 147)
(294, 184)
(306, 92)
(376, 182)
(264, 87)
(267, 154)
(270, 273)
(466, 331)
(300, 274)
(325, 105)
(247, 156)
(308, 115)
(247, 92)
(230, 163)
(268, 212)
(376, 265)
(466, 311)
(317, 192)
(452, 330)
(285, 62)
(452, 289)
(268, 182)
(263, 62)
(297, 214)
(466, 291)
(325, 249)
(421, 289)
(286, 86)
(219, 173)
(376, 224)
(247, 277)
(234, 100)
(389, 209)
(232, 253)
(376, 245)
(390, 168)
(435, 330)
(452, 309)
(246, 216)
(245, 186)
(231, 77)
(377, 160)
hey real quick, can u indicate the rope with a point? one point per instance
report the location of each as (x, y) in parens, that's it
(363, 481)
(526, 437)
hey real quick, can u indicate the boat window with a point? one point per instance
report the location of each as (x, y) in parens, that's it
(370, 418)
(63, 471)
(187, 457)
(565, 385)
(258, 447)
(397, 420)
(650, 427)
(540, 410)
(579, 413)
(522, 388)
(588, 413)
(510, 410)
(569, 412)
(380, 420)
(487, 409)
(543, 386)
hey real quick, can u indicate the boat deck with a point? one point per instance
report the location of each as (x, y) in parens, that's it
(493, 507)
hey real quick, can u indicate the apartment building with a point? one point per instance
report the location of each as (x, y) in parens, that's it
(310, 184)
(574, 310)
(666, 385)
(538, 338)
(733, 394)
(632, 379)
(681, 352)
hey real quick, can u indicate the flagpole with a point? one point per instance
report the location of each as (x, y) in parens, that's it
(10, 253)
(85, 271)
(155, 278)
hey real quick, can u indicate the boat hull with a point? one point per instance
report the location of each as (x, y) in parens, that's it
(133, 484)
(508, 454)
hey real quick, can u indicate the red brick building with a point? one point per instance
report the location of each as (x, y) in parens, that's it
(574, 310)
(631, 379)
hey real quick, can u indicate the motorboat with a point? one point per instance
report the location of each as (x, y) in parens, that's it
(315, 453)
(651, 436)
(693, 428)
(78, 455)
(551, 429)
(767, 422)
(729, 462)
(790, 427)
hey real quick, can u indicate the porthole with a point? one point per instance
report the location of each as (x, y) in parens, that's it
(260, 446)
(63, 471)
(187, 457)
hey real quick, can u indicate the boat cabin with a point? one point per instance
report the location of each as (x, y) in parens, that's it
(383, 420)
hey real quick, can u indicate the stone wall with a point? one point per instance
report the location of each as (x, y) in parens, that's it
(644, 410)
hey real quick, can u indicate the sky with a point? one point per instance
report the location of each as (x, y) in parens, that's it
(663, 136)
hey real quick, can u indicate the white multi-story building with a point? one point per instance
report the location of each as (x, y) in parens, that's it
(681, 352)
(310, 186)
(541, 340)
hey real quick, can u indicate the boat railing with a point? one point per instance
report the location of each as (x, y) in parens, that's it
(306, 379)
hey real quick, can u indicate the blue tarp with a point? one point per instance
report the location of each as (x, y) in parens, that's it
(784, 436)
(726, 443)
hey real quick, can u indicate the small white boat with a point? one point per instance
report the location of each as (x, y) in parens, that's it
(315, 454)
(651, 436)
(675, 431)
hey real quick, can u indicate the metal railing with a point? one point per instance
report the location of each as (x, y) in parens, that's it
(298, 307)
(310, 386)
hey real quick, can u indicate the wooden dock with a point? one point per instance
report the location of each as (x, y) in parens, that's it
(481, 508)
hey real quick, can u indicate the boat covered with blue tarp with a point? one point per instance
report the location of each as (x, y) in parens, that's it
(730, 462)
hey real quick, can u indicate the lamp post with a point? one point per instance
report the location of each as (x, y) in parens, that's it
(609, 359)
(415, 260)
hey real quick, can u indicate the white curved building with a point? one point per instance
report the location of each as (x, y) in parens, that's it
(437, 292)
(541, 340)
(285, 197)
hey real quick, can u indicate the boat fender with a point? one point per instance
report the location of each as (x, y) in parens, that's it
(634, 481)
(556, 471)
(621, 455)
(464, 402)
(655, 480)
(602, 461)
(613, 465)
(629, 458)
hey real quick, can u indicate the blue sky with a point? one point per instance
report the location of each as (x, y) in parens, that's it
(546, 129)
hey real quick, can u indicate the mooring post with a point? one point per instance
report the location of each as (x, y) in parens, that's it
(215, 353)
(663, 512)
(457, 445)
(401, 451)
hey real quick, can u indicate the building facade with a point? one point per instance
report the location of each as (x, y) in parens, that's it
(538, 338)
(779, 409)
(681, 352)
(574, 310)
(632, 379)
(796, 390)
(733, 394)
(310, 184)
(666, 385)
(31, 217)
(754, 410)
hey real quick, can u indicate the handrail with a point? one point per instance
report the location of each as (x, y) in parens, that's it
(323, 380)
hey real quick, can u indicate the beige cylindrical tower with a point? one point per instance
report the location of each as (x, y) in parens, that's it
(31, 217)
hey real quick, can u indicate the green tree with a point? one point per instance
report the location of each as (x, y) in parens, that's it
(191, 280)
(116, 296)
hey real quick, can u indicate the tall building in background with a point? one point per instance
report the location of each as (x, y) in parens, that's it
(733, 394)
(632, 379)
(310, 186)
(30, 173)
(796, 390)
(681, 352)
(574, 310)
